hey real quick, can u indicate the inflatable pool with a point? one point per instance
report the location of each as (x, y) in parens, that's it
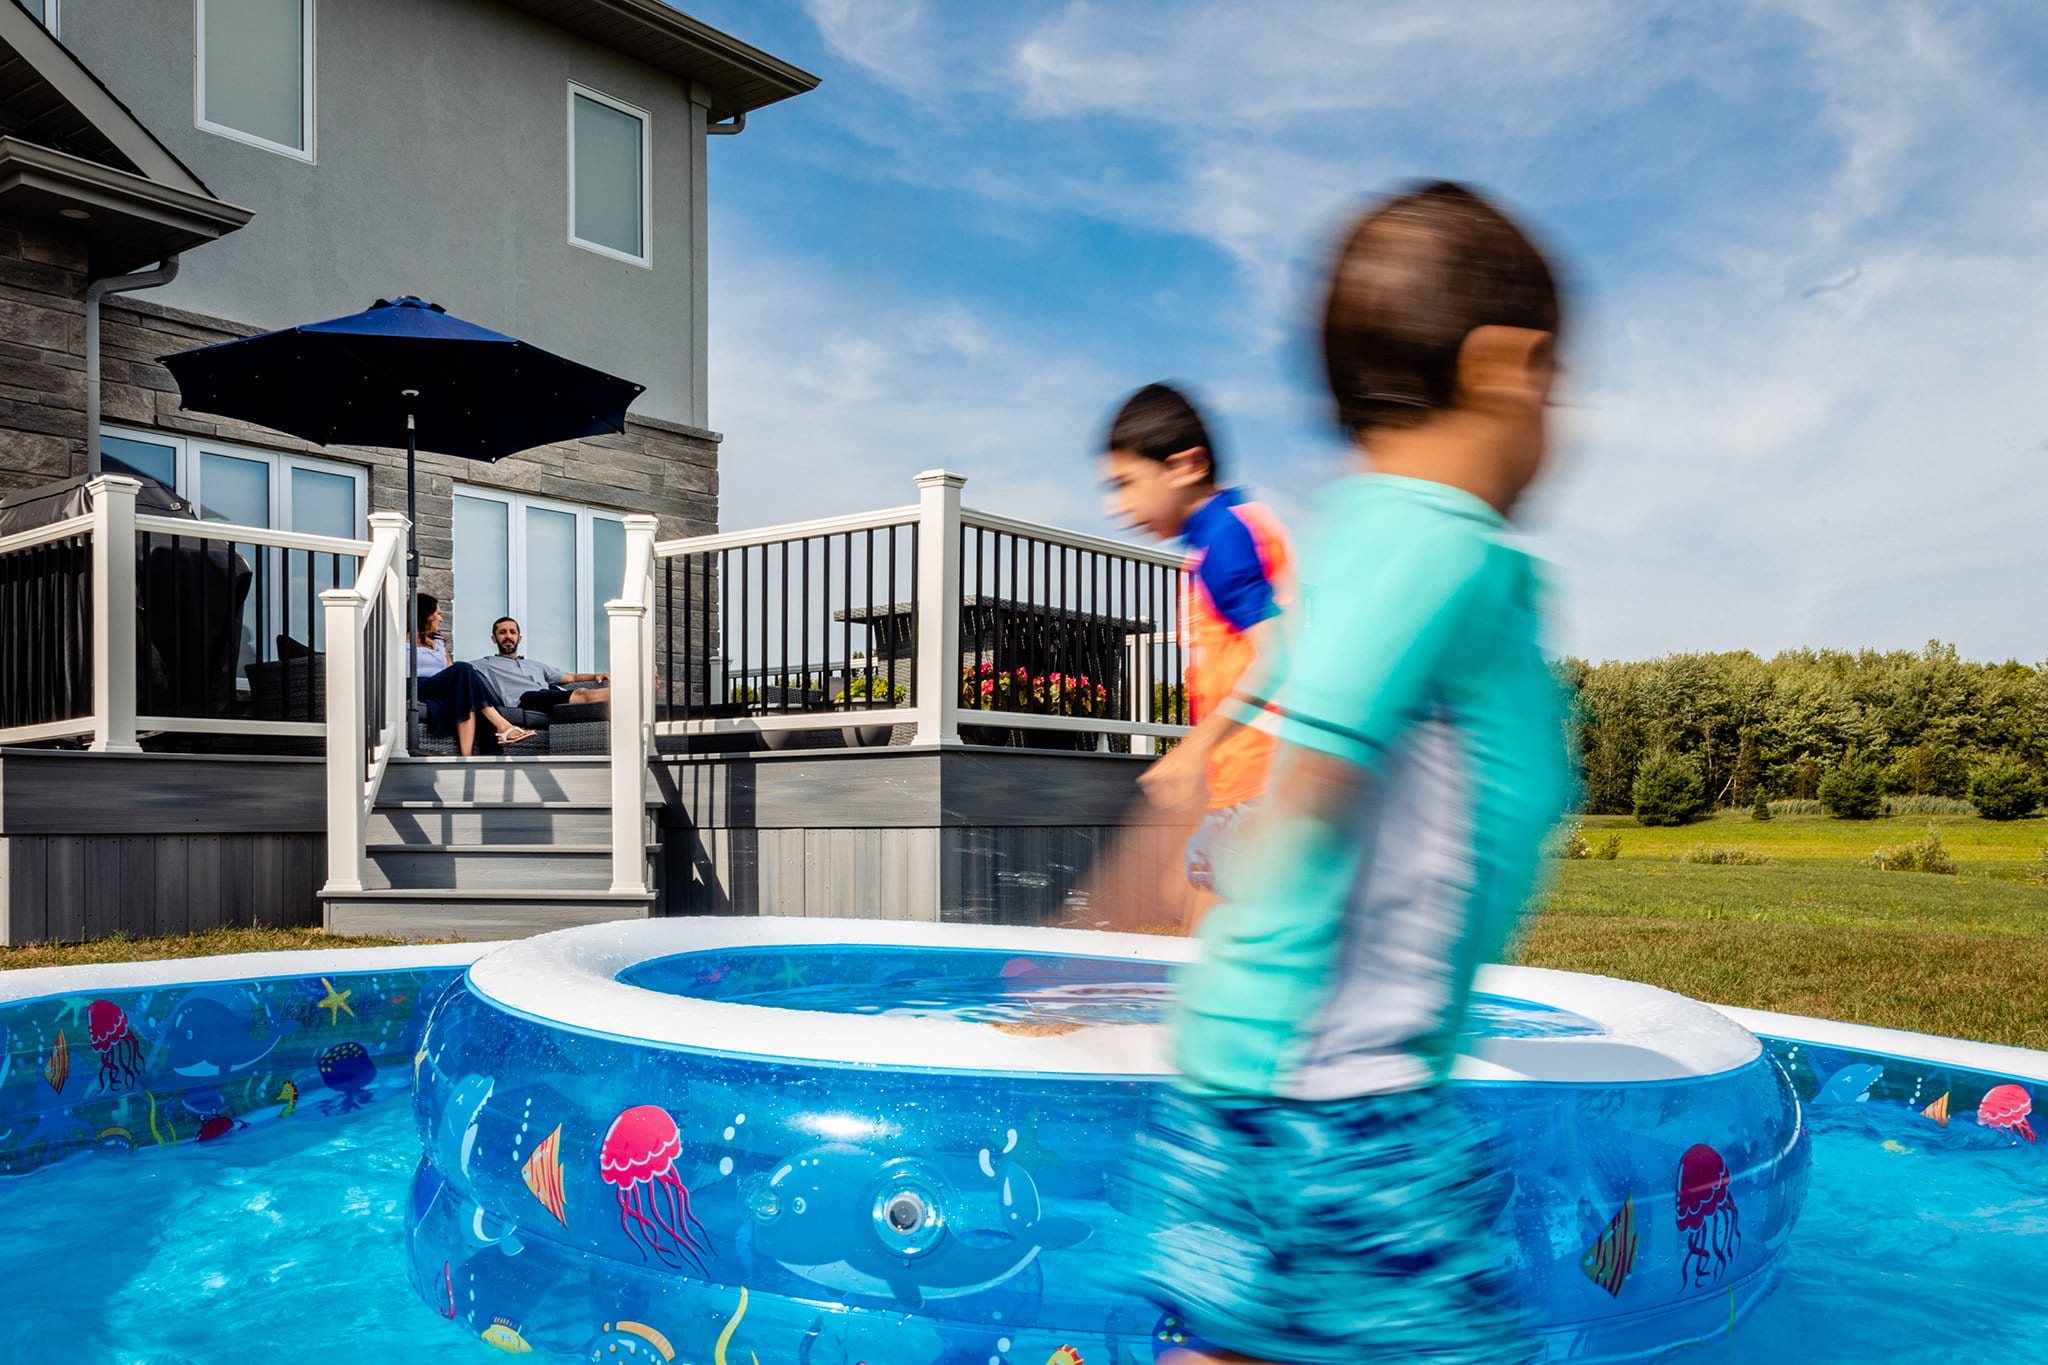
(732, 1140)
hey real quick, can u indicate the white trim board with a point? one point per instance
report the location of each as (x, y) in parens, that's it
(1920, 1047)
(36, 983)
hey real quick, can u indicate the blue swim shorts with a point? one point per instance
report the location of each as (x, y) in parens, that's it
(1331, 1233)
(1218, 827)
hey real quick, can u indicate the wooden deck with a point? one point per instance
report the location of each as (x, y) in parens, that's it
(94, 844)
(976, 834)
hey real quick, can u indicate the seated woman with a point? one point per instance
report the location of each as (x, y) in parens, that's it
(455, 694)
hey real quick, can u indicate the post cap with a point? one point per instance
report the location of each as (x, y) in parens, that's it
(940, 478)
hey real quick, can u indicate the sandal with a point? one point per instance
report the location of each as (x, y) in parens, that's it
(512, 734)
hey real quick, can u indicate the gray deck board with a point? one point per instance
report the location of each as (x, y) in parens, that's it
(173, 886)
(66, 885)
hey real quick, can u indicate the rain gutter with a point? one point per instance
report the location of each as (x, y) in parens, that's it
(165, 272)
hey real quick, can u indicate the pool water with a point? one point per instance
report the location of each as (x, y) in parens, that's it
(285, 1242)
(984, 987)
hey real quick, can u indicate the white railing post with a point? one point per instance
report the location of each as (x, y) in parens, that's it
(391, 526)
(631, 669)
(345, 613)
(113, 613)
(938, 606)
(345, 757)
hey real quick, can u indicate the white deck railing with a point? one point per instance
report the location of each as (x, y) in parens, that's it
(366, 698)
(632, 661)
(169, 601)
(755, 629)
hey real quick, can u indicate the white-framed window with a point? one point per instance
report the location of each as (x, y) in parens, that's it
(550, 565)
(610, 177)
(244, 486)
(45, 11)
(252, 72)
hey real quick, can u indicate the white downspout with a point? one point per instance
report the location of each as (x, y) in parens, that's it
(166, 271)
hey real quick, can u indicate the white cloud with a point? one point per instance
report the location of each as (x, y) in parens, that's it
(835, 399)
(1750, 461)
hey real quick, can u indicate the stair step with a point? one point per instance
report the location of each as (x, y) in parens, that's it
(538, 870)
(483, 823)
(474, 914)
(579, 781)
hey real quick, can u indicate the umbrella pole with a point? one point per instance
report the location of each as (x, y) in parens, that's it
(412, 578)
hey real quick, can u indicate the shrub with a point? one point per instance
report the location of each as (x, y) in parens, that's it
(1722, 855)
(1793, 805)
(1922, 855)
(1610, 849)
(2005, 789)
(877, 687)
(2037, 871)
(1852, 791)
(1668, 790)
(1762, 809)
(1927, 805)
(1571, 840)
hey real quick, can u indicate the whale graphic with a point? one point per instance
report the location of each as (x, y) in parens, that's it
(1850, 1085)
(461, 1116)
(862, 1222)
(211, 1034)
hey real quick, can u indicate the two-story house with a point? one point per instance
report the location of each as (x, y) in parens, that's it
(535, 166)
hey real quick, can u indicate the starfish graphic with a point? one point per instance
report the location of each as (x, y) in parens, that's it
(334, 1002)
(793, 973)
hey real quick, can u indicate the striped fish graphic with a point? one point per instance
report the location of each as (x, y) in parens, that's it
(1612, 1256)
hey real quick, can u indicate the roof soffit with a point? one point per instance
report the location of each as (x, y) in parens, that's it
(738, 77)
(48, 96)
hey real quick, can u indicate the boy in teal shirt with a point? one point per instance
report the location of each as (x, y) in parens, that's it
(1319, 1195)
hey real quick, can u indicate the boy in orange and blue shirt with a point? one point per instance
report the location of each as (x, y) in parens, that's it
(1160, 466)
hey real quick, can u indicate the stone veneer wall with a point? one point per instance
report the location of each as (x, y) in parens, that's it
(658, 467)
(42, 357)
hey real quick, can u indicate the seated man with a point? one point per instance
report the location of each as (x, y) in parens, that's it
(530, 684)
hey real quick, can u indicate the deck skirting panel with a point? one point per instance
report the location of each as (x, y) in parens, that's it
(66, 888)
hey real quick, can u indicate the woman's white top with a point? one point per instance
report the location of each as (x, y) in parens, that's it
(429, 659)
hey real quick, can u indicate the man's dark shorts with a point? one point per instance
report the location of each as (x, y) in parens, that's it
(546, 699)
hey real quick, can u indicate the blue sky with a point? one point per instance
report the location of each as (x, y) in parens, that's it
(1807, 389)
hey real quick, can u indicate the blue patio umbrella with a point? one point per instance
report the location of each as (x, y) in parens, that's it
(404, 372)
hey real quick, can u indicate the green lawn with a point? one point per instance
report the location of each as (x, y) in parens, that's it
(1816, 930)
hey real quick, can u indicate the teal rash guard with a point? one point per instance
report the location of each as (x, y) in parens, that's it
(1340, 960)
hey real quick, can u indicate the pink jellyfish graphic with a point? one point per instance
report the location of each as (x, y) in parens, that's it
(639, 1156)
(2005, 1109)
(1706, 1215)
(119, 1049)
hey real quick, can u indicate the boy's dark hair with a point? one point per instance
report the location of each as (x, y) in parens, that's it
(1158, 421)
(1413, 278)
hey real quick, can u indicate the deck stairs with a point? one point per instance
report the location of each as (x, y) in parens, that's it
(487, 848)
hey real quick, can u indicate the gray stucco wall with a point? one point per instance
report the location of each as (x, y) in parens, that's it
(441, 145)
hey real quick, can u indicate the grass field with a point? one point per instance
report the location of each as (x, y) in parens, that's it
(1813, 931)
(1816, 930)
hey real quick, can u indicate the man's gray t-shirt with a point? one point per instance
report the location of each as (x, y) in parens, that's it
(512, 677)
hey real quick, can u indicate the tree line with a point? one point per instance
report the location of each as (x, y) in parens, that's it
(1806, 724)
